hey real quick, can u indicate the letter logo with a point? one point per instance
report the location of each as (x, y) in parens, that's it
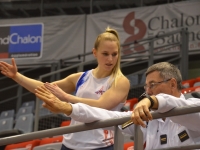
(21, 41)
(136, 28)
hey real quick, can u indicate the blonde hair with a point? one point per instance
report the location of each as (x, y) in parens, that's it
(111, 35)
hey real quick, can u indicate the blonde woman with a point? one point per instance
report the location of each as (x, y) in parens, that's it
(104, 86)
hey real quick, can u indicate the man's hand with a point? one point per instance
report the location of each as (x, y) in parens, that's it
(141, 112)
(51, 102)
(8, 69)
(58, 92)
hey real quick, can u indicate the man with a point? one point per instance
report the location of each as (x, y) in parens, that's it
(163, 84)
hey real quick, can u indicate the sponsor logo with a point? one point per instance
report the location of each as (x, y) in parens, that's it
(101, 91)
(136, 28)
(21, 41)
(15, 38)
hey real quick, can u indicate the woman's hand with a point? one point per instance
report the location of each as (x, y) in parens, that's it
(55, 90)
(51, 102)
(8, 69)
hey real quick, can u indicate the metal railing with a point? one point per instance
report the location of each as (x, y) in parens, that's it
(148, 55)
(138, 139)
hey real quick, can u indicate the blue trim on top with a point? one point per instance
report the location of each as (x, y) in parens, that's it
(80, 81)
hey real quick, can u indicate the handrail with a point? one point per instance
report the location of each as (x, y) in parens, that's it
(24, 71)
(10, 87)
(76, 56)
(14, 97)
(132, 55)
(89, 126)
(65, 69)
(125, 64)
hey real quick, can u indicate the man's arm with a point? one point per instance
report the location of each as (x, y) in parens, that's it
(87, 114)
(79, 112)
(164, 103)
(168, 102)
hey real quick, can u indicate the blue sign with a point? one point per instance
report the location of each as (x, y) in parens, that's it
(21, 41)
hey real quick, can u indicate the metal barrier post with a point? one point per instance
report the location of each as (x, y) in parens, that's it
(118, 140)
(138, 138)
(37, 108)
(53, 68)
(58, 74)
(19, 97)
(151, 46)
(184, 54)
(80, 68)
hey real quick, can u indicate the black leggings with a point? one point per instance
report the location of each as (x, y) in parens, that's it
(104, 148)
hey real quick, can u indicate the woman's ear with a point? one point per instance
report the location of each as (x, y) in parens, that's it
(94, 51)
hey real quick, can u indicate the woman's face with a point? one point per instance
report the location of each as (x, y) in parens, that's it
(107, 55)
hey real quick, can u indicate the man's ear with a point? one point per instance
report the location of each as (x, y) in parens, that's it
(94, 51)
(173, 83)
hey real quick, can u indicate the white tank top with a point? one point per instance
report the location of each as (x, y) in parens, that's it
(90, 87)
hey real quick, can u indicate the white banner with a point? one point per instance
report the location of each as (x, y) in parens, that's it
(59, 37)
(64, 36)
(138, 23)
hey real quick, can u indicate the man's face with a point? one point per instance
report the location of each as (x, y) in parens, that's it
(155, 84)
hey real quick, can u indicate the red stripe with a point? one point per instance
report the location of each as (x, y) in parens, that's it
(111, 136)
(4, 55)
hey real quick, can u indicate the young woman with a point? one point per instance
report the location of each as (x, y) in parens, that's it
(104, 86)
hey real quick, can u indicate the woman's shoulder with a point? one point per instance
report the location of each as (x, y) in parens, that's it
(122, 80)
(79, 74)
(122, 77)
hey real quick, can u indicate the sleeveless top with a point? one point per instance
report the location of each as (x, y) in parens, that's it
(90, 87)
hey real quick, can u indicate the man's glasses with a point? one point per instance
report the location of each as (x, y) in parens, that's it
(153, 84)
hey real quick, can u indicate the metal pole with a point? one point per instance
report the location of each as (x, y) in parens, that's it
(142, 3)
(19, 97)
(91, 6)
(119, 140)
(85, 35)
(41, 8)
(184, 54)
(138, 138)
(151, 46)
(58, 68)
(53, 68)
(36, 121)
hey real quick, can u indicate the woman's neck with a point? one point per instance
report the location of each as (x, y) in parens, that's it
(99, 73)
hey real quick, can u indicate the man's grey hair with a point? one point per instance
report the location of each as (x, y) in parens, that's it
(167, 71)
